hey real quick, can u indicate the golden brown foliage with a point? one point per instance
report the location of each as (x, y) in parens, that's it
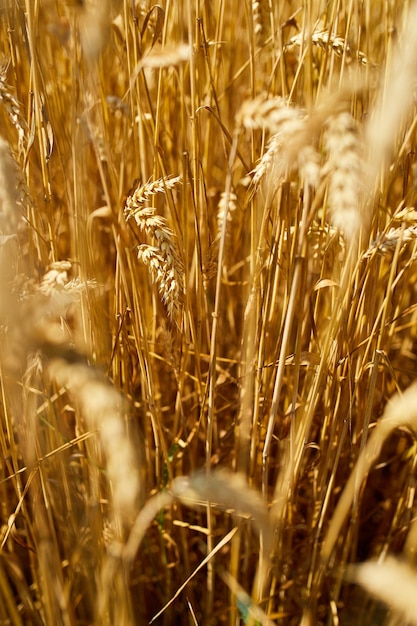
(206, 399)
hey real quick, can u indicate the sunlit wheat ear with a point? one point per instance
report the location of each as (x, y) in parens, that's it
(225, 490)
(327, 41)
(225, 210)
(9, 190)
(102, 408)
(12, 106)
(401, 411)
(291, 144)
(388, 242)
(264, 113)
(167, 277)
(56, 280)
(95, 20)
(163, 259)
(396, 98)
(158, 58)
(260, 13)
(345, 169)
(140, 194)
(392, 582)
(228, 491)
(10, 176)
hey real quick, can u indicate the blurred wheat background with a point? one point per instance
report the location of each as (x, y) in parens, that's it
(208, 312)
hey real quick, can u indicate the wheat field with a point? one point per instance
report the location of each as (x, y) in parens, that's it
(208, 312)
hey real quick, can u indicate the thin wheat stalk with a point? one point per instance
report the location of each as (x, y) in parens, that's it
(10, 179)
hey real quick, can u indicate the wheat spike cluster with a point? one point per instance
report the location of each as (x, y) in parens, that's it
(164, 260)
(208, 313)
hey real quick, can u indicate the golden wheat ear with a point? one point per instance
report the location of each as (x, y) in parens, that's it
(12, 107)
(345, 168)
(163, 259)
(392, 582)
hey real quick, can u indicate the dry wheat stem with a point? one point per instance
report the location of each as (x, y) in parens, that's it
(223, 542)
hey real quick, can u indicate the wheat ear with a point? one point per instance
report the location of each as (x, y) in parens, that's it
(327, 41)
(12, 106)
(290, 145)
(163, 259)
(345, 168)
